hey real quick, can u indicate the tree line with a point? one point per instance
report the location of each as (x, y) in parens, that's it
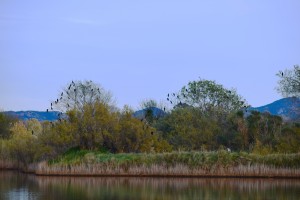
(205, 116)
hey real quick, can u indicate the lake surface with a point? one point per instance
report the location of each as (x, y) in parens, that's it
(14, 185)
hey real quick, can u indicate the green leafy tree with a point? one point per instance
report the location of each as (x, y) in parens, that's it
(6, 123)
(22, 145)
(189, 129)
(137, 136)
(208, 95)
(93, 126)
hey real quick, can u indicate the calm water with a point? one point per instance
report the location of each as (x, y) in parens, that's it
(14, 185)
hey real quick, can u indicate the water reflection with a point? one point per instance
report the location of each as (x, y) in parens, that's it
(15, 185)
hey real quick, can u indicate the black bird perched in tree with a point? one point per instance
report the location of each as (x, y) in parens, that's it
(184, 95)
(57, 100)
(186, 90)
(168, 99)
(47, 109)
(174, 94)
(171, 102)
(164, 108)
(168, 94)
(281, 73)
(68, 105)
(74, 90)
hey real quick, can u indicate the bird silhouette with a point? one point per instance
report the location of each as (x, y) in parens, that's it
(51, 104)
(62, 94)
(186, 90)
(164, 108)
(174, 94)
(171, 102)
(74, 90)
(168, 99)
(168, 94)
(47, 110)
(281, 73)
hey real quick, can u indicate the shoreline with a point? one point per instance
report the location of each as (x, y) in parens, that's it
(137, 175)
(168, 165)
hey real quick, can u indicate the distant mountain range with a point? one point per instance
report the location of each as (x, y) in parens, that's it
(287, 108)
(41, 116)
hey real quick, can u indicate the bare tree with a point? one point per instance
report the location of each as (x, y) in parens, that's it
(79, 93)
(289, 82)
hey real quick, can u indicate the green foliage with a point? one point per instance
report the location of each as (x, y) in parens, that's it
(188, 129)
(22, 144)
(6, 122)
(209, 96)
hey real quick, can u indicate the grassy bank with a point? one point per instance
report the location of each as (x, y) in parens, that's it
(185, 164)
(221, 164)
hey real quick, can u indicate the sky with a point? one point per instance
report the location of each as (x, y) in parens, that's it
(144, 49)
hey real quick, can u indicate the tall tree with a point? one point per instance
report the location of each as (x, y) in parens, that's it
(207, 95)
(289, 82)
(77, 94)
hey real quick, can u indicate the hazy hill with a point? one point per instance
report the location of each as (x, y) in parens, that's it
(287, 108)
(140, 114)
(41, 116)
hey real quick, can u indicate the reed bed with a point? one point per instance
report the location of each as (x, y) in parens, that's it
(181, 164)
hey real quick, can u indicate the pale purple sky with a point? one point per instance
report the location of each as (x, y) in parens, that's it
(144, 49)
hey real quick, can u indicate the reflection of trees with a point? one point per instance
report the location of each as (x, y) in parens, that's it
(147, 188)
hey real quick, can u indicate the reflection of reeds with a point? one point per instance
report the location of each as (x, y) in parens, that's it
(46, 187)
(8, 164)
(98, 169)
(174, 183)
